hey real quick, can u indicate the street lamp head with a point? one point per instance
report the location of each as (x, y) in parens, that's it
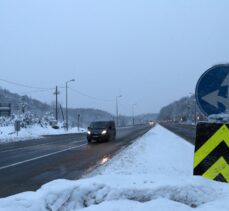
(72, 80)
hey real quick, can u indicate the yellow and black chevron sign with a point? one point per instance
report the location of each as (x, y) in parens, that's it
(212, 151)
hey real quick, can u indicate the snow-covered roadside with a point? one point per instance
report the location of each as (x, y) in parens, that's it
(157, 152)
(155, 173)
(8, 134)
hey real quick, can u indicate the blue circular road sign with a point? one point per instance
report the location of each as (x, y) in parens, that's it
(212, 90)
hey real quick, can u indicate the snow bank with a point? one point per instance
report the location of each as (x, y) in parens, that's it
(219, 118)
(157, 152)
(8, 134)
(155, 173)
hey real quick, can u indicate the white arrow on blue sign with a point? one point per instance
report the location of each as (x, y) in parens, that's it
(212, 90)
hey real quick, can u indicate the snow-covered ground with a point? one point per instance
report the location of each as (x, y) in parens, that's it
(154, 173)
(8, 134)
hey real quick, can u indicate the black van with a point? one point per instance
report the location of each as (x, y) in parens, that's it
(101, 131)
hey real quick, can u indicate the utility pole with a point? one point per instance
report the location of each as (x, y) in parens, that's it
(133, 112)
(117, 118)
(56, 93)
(67, 102)
(78, 122)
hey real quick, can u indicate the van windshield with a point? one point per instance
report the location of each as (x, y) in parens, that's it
(99, 124)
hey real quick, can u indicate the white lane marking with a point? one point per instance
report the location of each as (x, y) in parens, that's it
(39, 157)
(74, 142)
(38, 145)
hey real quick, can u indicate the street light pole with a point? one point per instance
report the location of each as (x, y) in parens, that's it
(195, 111)
(67, 102)
(117, 119)
(195, 108)
(133, 111)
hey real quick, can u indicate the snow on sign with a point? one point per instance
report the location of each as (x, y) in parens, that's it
(212, 90)
(212, 151)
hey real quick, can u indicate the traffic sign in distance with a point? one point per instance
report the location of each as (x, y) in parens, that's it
(212, 90)
(212, 151)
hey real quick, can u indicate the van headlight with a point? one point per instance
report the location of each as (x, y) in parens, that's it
(104, 132)
(89, 132)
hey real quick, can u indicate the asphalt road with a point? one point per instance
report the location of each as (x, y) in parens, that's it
(188, 132)
(27, 165)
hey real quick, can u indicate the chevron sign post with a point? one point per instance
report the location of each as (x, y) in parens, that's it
(211, 157)
(212, 151)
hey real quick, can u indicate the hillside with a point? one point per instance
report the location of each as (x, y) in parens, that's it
(182, 110)
(87, 115)
(139, 119)
(18, 102)
(39, 109)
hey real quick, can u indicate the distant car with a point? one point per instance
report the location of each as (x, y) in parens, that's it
(151, 123)
(101, 131)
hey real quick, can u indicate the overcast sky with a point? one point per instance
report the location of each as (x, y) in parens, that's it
(152, 52)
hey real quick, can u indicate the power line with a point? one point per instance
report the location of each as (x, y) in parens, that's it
(37, 91)
(91, 97)
(22, 85)
(42, 89)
